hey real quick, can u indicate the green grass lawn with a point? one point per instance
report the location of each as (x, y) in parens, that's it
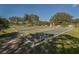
(65, 43)
(12, 28)
(74, 32)
(68, 42)
(24, 33)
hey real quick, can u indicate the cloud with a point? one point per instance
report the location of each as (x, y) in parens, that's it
(75, 5)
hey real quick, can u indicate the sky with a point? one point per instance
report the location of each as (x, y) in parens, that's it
(44, 11)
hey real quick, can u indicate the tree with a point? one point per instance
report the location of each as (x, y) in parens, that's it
(64, 23)
(31, 18)
(76, 22)
(44, 23)
(4, 23)
(26, 17)
(59, 17)
(15, 20)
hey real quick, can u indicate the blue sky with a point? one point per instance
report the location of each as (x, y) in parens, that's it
(45, 11)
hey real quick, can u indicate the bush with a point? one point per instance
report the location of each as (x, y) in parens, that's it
(64, 24)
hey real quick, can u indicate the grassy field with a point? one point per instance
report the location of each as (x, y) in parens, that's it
(74, 32)
(65, 43)
(23, 33)
(68, 42)
(11, 29)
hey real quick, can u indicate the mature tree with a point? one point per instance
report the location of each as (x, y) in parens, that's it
(15, 20)
(76, 22)
(26, 17)
(59, 17)
(34, 18)
(4, 23)
(31, 18)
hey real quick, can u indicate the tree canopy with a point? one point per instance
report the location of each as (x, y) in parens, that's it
(15, 19)
(59, 17)
(4, 23)
(76, 21)
(31, 18)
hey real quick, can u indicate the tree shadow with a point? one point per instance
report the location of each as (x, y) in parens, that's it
(62, 44)
(11, 35)
(69, 44)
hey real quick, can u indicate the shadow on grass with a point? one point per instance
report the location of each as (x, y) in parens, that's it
(68, 44)
(63, 44)
(13, 35)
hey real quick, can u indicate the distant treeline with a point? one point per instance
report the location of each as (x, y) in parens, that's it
(32, 19)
